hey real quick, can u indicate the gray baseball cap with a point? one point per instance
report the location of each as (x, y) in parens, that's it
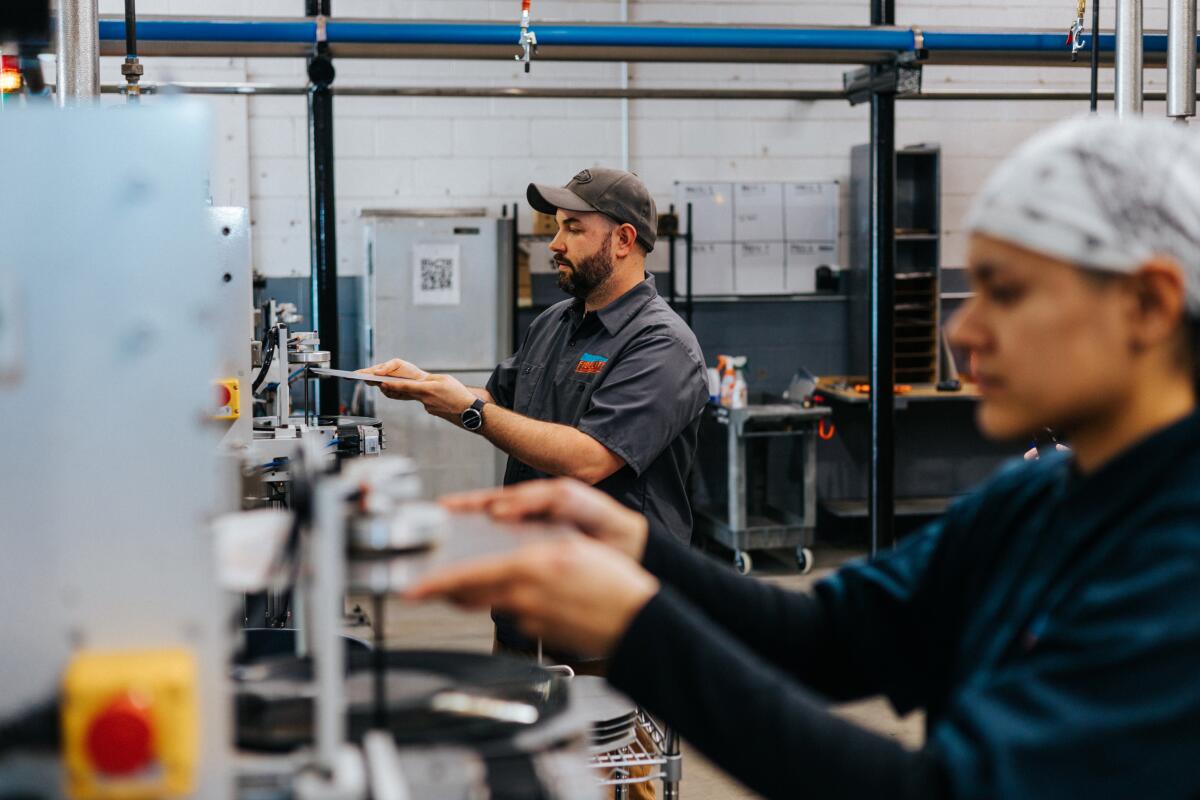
(619, 195)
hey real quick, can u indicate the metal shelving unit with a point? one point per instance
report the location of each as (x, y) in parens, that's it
(916, 289)
(662, 761)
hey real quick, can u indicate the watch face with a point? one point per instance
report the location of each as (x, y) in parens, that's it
(472, 420)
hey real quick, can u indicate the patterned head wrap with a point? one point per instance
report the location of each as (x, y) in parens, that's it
(1101, 193)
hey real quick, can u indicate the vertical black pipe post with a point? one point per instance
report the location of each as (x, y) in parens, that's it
(130, 29)
(132, 68)
(882, 481)
(515, 322)
(688, 263)
(1095, 98)
(671, 260)
(322, 214)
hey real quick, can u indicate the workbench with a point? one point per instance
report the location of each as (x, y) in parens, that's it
(840, 389)
(940, 453)
(741, 516)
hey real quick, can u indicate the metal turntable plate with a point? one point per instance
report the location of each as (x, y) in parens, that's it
(275, 709)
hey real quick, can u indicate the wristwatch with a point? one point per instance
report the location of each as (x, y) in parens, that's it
(472, 418)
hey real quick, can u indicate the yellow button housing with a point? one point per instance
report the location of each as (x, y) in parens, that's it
(228, 399)
(162, 683)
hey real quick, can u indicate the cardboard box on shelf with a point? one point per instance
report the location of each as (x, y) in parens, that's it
(544, 224)
(524, 280)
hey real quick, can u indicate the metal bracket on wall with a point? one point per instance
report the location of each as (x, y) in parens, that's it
(900, 77)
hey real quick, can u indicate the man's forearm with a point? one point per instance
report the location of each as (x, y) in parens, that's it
(547, 446)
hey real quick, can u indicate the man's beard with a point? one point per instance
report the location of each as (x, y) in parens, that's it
(580, 280)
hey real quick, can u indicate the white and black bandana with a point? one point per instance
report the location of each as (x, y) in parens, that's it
(1102, 193)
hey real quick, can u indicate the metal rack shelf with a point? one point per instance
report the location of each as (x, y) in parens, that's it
(663, 758)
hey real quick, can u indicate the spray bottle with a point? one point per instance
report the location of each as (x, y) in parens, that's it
(740, 393)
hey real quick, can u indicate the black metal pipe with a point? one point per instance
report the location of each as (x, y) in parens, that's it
(588, 93)
(1095, 97)
(881, 494)
(688, 263)
(671, 260)
(131, 68)
(883, 12)
(130, 29)
(515, 331)
(379, 663)
(322, 211)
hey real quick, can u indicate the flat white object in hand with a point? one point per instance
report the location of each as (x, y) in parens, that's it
(325, 372)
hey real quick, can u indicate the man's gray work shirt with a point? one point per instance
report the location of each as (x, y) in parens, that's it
(630, 375)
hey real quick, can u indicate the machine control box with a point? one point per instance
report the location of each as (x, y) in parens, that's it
(129, 724)
(228, 399)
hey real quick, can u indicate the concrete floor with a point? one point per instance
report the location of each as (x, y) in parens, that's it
(442, 627)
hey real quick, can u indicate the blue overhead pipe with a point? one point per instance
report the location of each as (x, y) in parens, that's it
(338, 32)
(1027, 42)
(204, 30)
(557, 34)
(304, 31)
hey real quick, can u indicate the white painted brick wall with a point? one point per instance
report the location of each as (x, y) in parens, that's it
(419, 152)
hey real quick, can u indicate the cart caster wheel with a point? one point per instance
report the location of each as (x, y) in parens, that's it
(804, 560)
(742, 562)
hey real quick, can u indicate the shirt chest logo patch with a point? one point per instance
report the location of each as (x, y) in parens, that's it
(590, 364)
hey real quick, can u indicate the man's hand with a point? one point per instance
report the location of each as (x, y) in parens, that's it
(442, 395)
(572, 592)
(397, 368)
(565, 501)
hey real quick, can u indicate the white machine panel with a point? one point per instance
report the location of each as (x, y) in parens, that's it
(108, 479)
(230, 229)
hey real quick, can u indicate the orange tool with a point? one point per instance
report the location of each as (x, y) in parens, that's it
(899, 388)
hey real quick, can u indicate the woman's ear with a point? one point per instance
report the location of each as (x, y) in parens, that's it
(1160, 295)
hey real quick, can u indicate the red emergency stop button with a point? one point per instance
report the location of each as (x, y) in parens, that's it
(223, 395)
(120, 737)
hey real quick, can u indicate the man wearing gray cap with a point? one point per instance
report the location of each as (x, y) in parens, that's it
(607, 386)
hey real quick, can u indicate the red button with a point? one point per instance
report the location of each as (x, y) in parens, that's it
(120, 738)
(223, 395)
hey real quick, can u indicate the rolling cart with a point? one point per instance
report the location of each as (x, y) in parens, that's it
(741, 515)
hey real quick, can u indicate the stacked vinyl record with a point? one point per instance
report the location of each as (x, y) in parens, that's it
(613, 716)
(503, 718)
(275, 709)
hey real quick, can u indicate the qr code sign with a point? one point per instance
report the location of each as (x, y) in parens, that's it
(437, 277)
(437, 274)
